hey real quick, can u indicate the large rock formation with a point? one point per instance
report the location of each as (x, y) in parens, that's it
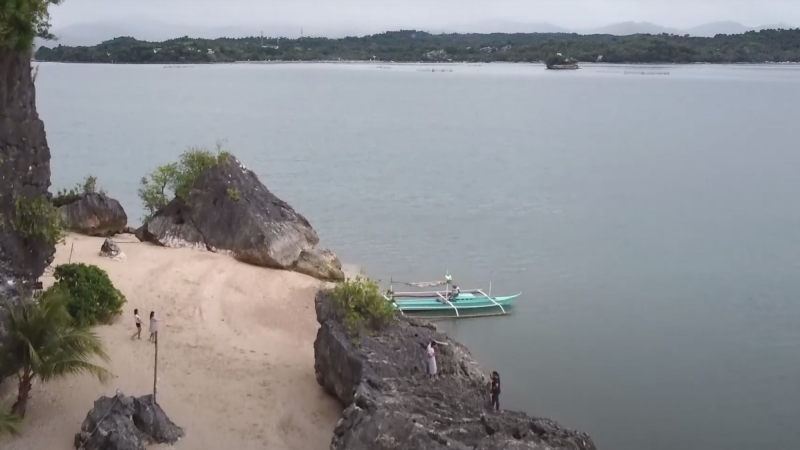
(391, 404)
(24, 168)
(126, 423)
(24, 172)
(94, 214)
(228, 210)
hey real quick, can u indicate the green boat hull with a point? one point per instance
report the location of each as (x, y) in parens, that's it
(464, 302)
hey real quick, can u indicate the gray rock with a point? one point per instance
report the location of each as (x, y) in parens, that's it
(110, 249)
(391, 404)
(228, 210)
(126, 423)
(24, 167)
(320, 263)
(24, 172)
(95, 215)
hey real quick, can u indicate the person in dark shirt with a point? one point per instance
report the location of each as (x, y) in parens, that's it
(495, 388)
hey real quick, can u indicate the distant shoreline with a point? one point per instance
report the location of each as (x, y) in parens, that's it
(417, 63)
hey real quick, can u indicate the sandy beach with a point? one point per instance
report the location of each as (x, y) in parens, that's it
(236, 357)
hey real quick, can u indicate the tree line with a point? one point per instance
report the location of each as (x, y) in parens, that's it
(418, 46)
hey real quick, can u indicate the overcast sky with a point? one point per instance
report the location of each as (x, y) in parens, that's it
(394, 14)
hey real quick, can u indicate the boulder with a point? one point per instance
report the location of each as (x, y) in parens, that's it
(228, 210)
(320, 263)
(390, 403)
(94, 214)
(110, 249)
(126, 423)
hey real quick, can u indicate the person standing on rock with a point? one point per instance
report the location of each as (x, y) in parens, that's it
(495, 389)
(431, 355)
(138, 324)
(153, 326)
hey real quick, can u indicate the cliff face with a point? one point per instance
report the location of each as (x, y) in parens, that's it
(24, 167)
(24, 171)
(391, 404)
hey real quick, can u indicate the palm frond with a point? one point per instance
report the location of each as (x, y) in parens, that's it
(9, 423)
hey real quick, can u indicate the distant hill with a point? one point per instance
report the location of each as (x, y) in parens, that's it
(96, 32)
(419, 46)
(629, 28)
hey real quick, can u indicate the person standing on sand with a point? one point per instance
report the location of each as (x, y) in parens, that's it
(153, 326)
(138, 324)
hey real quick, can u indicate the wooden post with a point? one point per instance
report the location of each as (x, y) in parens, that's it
(155, 372)
(70, 252)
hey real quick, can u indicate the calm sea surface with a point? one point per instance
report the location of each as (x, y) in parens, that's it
(649, 215)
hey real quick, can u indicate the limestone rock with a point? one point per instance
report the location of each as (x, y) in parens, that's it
(228, 210)
(110, 249)
(320, 263)
(94, 214)
(24, 168)
(126, 423)
(391, 404)
(24, 172)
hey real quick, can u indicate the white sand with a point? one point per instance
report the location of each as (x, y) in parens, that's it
(236, 357)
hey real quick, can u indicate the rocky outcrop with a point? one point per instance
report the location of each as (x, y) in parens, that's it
(228, 210)
(126, 423)
(391, 404)
(110, 249)
(24, 173)
(24, 168)
(94, 214)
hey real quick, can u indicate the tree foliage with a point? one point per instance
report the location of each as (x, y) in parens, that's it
(92, 298)
(67, 196)
(416, 46)
(21, 21)
(360, 304)
(38, 219)
(176, 179)
(42, 342)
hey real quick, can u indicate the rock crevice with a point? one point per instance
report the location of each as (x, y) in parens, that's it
(391, 404)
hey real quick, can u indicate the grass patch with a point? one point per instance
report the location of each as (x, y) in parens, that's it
(360, 305)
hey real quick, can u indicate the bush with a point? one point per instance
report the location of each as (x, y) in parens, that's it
(67, 196)
(176, 179)
(37, 218)
(93, 298)
(360, 304)
(234, 194)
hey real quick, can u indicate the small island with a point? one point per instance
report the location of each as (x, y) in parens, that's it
(559, 62)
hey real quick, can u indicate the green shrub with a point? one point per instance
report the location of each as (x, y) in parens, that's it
(360, 304)
(93, 298)
(67, 196)
(234, 194)
(177, 179)
(37, 218)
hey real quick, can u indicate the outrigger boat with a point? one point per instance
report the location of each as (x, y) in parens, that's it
(467, 303)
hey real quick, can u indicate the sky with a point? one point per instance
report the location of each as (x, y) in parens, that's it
(422, 14)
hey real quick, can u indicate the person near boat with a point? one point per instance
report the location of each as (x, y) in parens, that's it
(430, 353)
(454, 293)
(495, 391)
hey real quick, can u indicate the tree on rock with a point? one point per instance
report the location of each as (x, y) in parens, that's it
(24, 154)
(43, 342)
